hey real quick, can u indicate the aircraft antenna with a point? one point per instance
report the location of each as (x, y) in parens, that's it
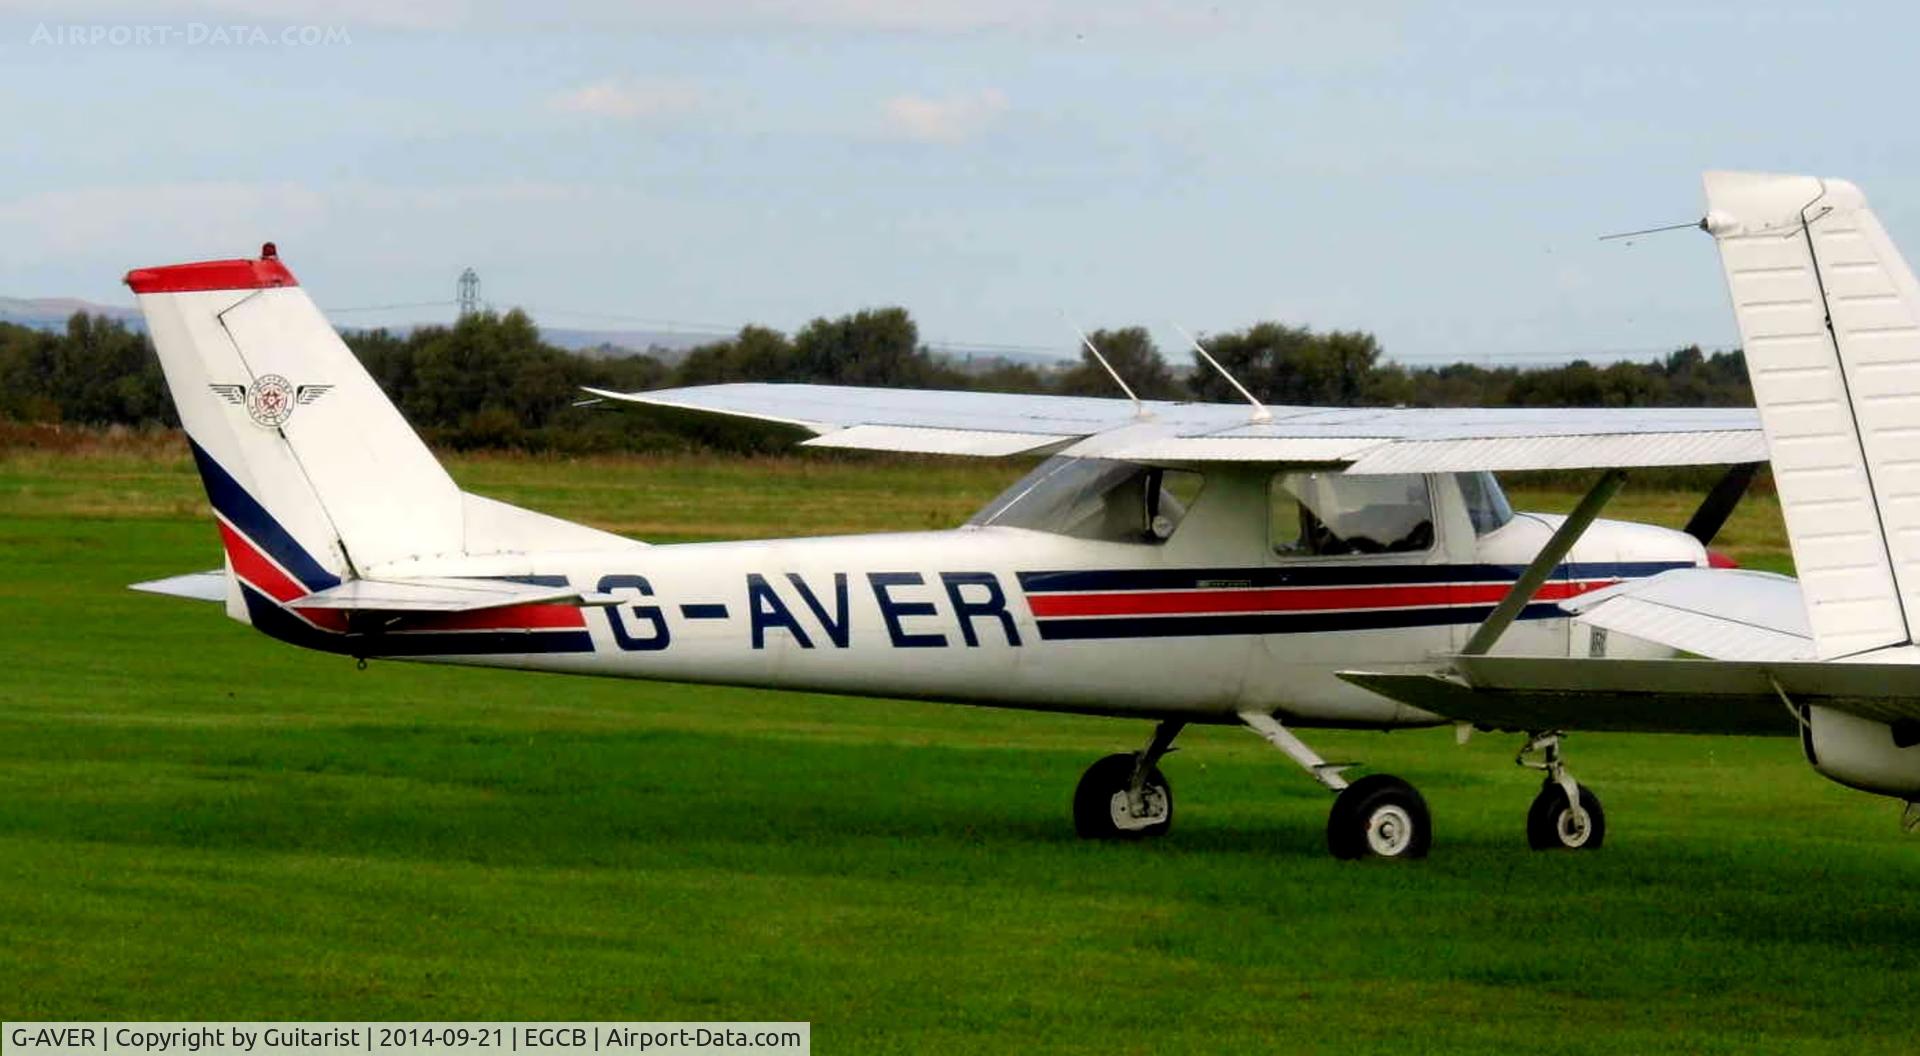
(1260, 412)
(469, 293)
(1701, 224)
(1139, 409)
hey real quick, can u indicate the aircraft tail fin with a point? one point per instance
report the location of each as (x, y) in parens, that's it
(1829, 316)
(313, 473)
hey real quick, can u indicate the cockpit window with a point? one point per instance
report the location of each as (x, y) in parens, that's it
(1094, 498)
(1486, 504)
(1328, 514)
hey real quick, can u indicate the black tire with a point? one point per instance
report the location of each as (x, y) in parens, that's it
(1099, 815)
(1550, 825)
(1379, 816)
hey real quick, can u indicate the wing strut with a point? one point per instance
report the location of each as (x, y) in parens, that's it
(1544, 563)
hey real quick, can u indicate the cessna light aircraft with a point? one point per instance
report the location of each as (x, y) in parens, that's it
(1829, 314)
(1280, 568)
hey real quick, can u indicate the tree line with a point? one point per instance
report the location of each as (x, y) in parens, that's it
(490, 381)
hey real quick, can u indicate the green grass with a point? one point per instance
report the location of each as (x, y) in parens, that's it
(196, 822)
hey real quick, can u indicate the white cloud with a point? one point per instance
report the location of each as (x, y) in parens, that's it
(627, 99)
(953, 119)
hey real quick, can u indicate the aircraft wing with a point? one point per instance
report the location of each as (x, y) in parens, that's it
(1360, 440)
(1650, 696)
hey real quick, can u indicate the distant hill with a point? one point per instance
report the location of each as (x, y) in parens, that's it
(972, 361)
(51, 313)
(671, 346)
(668, 346)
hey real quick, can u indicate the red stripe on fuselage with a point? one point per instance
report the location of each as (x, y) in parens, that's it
(1296, 599)
(505, 618)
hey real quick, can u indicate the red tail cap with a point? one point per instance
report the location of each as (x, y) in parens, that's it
(214, 275)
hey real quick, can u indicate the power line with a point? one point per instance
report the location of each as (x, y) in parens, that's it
(389, 307)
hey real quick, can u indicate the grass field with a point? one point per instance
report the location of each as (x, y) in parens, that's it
(196, 822)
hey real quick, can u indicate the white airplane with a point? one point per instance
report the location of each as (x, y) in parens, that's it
(1829, 314)
(1172, 562)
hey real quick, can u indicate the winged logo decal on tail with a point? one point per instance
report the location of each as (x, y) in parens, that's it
(271, 399)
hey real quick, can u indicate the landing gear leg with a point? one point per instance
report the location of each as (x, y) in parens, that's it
(1378, 816)
(1124, 796)
(1565, 816)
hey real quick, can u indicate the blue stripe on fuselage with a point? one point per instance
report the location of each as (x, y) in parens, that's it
(1212, 624)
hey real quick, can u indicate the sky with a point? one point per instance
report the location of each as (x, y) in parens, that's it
(1436, 174)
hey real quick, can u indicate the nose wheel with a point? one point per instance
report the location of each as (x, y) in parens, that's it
(1566, 815)
(1554, 823)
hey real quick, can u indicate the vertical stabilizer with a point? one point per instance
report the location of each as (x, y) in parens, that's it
(1829, 316)
(315, 475)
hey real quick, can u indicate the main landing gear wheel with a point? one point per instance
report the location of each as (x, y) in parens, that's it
(1554, 825)
(1379, 816)
(1104, 806)
(1125, 797)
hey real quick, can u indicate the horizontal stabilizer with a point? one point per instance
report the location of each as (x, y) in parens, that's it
(443, 595)
(1718, 613)
(199, 586)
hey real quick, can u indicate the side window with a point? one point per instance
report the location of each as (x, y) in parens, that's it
(1156, 501)
(1090, 498)
(1330, 514)
(1178, 490)
(1285, 533)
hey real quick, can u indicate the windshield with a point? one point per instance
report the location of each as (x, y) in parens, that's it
(1094, 498)
(1486, 504)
